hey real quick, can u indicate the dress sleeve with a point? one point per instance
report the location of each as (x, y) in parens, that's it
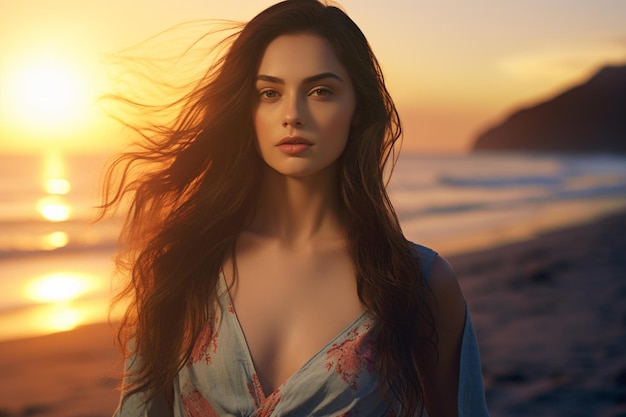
(133, 405)
(471, 395)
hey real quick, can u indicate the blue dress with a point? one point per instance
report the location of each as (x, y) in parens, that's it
(219, 378)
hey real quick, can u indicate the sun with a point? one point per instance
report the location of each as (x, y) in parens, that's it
(45, 93)
(49, 92)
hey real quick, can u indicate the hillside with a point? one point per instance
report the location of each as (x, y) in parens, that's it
(590, 117)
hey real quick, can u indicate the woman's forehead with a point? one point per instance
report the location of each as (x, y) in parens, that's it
(300, 56)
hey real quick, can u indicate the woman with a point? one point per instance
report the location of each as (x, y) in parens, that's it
(269, 273)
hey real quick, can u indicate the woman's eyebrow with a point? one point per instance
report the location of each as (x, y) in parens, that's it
(307, 80)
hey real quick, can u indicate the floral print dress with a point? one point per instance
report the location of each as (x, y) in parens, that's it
(219, 378)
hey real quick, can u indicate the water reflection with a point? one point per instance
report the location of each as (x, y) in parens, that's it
(55, 240)
(60, 286)
(62, 318)
(58, 186)
(51, 318)
(44, 289)
(53, 208)
(58, 292)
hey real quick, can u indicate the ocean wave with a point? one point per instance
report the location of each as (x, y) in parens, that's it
(70, 249)
(494, 182)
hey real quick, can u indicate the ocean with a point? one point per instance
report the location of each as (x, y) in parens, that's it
(56, 263)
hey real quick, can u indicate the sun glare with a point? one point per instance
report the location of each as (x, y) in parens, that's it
(59, 186)
(56, 240)
(59, 287)
(46, 94)
(64, 319)
(54, 208)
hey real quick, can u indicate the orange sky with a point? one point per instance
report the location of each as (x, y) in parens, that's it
(453, 67)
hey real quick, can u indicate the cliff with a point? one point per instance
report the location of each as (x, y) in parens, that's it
(590, 117)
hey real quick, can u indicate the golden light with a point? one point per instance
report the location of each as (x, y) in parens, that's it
(56, 240)
(59, 186)
(47, 91)
(47, 96)
(64, 319)
(55, 173)
(60, 301)
(54, 208)
(47, 318)
(559, 63)
(59, 287)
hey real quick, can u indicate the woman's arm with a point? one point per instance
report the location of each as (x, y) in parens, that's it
(440, 372)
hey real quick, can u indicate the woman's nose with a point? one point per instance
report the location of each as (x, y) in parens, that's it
(293, 113)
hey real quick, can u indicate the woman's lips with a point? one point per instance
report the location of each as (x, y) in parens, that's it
(294, 145)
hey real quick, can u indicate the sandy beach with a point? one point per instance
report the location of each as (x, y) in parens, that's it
(68, 374)
(549, 312)
(550, 317)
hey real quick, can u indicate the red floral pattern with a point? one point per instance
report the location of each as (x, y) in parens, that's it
(268, 405)
(355, 354)
(196, 405)
(256, 390)
(206, 345)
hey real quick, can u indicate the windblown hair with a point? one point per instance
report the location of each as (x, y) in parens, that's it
(189, 208)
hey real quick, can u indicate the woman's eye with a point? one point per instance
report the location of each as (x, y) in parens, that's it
(268, 94)
(321, 92)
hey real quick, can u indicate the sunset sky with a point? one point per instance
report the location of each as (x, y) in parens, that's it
(453, 67)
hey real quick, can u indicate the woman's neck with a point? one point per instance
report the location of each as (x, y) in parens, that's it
(298, 210)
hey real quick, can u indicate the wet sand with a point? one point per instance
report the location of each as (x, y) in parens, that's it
(549, 312)
(550, 317)
(67, 374)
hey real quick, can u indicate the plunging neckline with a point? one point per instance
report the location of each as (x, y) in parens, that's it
(248, 354)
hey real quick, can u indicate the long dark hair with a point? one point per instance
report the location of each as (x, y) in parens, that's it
(188, 209)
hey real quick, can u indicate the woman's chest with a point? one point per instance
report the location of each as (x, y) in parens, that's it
(290, 307)
(221, 377)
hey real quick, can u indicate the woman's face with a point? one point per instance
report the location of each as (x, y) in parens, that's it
(305, 105)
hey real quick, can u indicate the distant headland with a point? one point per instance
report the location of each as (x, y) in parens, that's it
(589, 118)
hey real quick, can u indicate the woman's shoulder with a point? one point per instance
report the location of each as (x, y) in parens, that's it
(432, 263)
(439, 274)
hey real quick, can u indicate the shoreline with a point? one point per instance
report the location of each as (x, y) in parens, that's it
(549, 313)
